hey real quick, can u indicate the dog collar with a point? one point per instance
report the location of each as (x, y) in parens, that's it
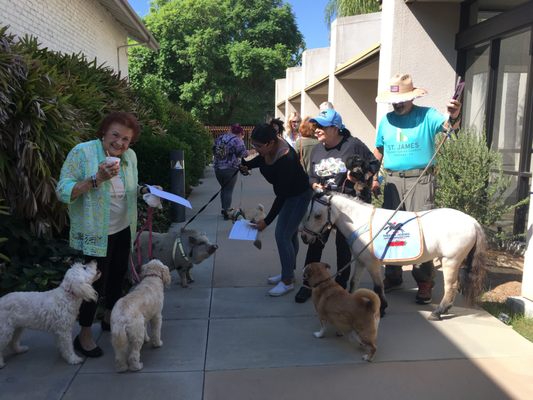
(154, 275)
(179, 245)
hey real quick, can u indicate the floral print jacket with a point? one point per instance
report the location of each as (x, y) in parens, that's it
(89, 213)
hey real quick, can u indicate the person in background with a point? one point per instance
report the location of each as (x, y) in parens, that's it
(335, 142)
(405, 142)
(279, 164)
(292, 133)
(326, 105)
(227, 152)
(306, 142)
(102, 202)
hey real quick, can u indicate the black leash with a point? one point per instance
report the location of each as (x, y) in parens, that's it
(210, 200)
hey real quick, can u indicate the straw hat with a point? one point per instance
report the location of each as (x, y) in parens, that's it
(400, 89)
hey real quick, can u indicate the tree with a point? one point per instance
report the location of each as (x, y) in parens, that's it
(219, 58)
(345, 8)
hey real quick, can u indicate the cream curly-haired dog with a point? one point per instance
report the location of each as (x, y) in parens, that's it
(53, 311)
(133, 312)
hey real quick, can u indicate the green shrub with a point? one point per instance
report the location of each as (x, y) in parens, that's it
(3, 211)
(49, 102)
(153, 154)
(470, 178)
(184, 126)
(35, 264)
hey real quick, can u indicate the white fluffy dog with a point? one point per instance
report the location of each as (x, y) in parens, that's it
(133, 312)
(53, 311)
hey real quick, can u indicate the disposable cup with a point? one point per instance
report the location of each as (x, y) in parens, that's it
(112, 160)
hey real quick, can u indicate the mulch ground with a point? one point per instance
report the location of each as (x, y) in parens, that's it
(504, 276)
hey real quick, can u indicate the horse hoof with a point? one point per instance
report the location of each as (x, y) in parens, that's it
(434, 317)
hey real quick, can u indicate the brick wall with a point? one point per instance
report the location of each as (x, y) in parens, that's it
(69, 26)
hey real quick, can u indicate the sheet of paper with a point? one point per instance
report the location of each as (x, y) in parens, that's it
(243, 230)
(169, 196)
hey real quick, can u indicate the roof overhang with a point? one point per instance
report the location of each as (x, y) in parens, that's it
(294, 96)
(130, 21)
(357, 63)
(317, 85)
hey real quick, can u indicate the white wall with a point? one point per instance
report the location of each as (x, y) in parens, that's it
(418, 39)
(315, 63)
(280, 96)
(294, 84)
(354, 98)
(349, 37)
(69, 26)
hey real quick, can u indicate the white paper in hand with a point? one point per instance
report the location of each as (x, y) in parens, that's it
(243, 230)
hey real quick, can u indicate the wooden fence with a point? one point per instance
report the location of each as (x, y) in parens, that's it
(217, 130)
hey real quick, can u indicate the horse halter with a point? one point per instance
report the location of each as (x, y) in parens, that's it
(328, 225)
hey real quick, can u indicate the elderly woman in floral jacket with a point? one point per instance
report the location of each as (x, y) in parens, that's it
(100, 185)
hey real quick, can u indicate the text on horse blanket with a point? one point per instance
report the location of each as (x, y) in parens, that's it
(401, 237)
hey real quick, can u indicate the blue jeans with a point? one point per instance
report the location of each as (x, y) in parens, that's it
(289, 218)
(226, 177)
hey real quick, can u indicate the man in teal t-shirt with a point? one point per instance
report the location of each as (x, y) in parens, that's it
(405, 143)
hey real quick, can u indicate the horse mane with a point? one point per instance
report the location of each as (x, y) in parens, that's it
(351, 198)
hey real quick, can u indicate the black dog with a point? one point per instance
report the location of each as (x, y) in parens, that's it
(359, 169)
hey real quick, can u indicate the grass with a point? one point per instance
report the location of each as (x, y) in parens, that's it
(519, 322)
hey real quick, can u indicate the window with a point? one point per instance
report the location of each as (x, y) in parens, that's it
(476, 78)
(511, 89)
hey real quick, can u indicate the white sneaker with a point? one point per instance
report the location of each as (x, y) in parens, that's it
(274, 280)
(280, 289)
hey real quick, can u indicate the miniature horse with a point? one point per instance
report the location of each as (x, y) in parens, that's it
(449, 235)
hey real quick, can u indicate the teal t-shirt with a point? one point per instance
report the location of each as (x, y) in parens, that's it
(408, 141)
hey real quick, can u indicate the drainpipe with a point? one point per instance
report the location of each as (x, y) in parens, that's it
(127, 45)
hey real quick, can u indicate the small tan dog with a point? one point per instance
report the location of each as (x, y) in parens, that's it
(133, 312)
(355, 314)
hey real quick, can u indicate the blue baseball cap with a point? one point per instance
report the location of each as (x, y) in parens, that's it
(327, 118)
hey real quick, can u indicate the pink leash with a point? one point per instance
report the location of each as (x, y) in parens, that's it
(147, 226)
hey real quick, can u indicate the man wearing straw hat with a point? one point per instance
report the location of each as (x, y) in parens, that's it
(405, 143)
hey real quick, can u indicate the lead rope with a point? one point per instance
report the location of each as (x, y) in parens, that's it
(147, 226)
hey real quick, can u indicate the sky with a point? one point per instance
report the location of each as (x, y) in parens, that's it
(309, 18)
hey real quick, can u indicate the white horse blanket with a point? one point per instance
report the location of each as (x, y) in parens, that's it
(401, 238)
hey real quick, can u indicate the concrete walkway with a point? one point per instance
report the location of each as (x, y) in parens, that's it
(225, 338)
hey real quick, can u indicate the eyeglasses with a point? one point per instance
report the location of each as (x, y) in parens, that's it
(257, 145)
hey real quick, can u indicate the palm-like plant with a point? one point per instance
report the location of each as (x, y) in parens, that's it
(345, 8)
(3, 211)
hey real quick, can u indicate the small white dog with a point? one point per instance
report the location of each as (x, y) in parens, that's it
(252, 215)
(133, 312)
(53, 311)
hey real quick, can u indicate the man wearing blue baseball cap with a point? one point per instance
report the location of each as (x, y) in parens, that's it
(335, 142)
(405, 142)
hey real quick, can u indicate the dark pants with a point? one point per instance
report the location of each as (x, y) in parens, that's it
(344, 254)
(227, 178)
(113, 268)
(420, 199)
